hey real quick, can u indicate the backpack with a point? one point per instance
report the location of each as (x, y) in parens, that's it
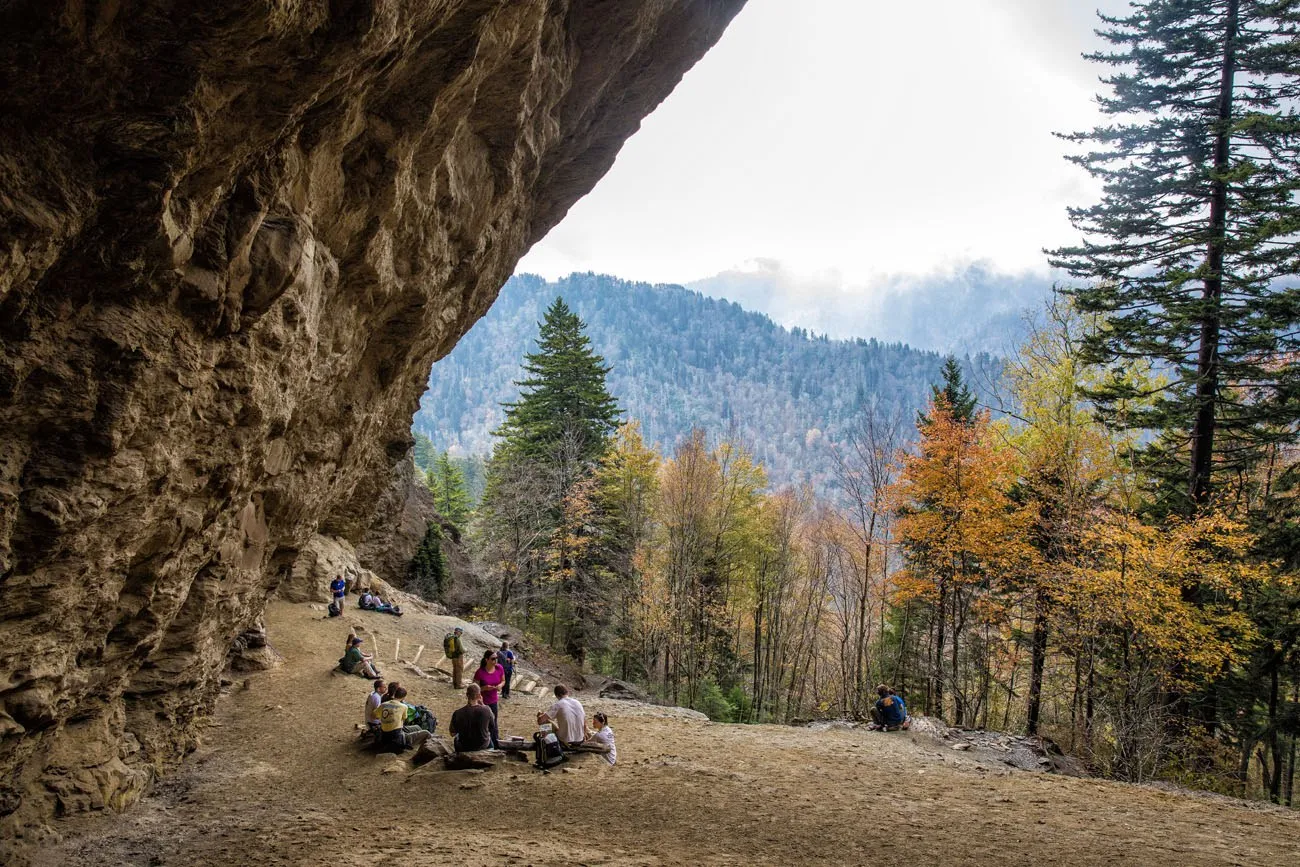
(449, 644)
(423, 717)
(547, 751)
(334, 609)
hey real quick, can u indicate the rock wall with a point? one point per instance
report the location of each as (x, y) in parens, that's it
(234, 236)
(401, 518)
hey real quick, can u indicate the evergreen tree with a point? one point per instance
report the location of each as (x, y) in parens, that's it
(565, 404)
(1188, 251)
(953, 394)
(424, 452)
(450, 497)
(427, 573)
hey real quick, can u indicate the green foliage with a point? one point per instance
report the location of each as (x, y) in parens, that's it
(682, 360)
(953, 393)
(711, 702)
(424, 452)
(1192, 253)
(427, 572)
(450, 497)
(565, 402)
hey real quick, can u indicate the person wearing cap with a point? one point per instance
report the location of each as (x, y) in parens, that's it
(455, 651)
(357, 662)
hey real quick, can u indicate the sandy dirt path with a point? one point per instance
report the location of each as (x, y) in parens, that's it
(280, 780)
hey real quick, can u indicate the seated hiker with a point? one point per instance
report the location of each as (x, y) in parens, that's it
(356, 662)
(473, 727)
(568, 716)
(373, 701)
(367, 601)
(889, 713)
(604, 735)
(394, 732)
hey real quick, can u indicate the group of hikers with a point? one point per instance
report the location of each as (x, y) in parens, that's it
(369, 600)
(395, 724)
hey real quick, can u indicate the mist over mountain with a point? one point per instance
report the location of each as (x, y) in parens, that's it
(969, 309)
(683, 360)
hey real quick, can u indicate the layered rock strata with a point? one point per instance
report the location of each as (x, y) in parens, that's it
(234, 236)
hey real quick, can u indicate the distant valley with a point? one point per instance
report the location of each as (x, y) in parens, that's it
(683, 360)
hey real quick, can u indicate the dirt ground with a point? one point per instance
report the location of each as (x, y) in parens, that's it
(280, 780)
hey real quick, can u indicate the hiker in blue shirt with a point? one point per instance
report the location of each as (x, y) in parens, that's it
(890, 713)
(506, 659)
(337, 588)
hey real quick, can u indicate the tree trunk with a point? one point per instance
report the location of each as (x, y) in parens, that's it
(939, 643)
(1038, 660)
(1207, 358)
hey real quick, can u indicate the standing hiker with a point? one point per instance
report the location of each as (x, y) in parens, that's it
(489, 678)
(455, 651)
(506, 658)
(337, 588)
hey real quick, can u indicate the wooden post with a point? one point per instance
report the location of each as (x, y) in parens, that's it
(418, 651)
(397, 646)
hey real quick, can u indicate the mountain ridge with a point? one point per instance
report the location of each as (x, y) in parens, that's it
(681, 359)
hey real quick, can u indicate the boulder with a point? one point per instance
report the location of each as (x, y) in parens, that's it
(621, 689)
(319, 562)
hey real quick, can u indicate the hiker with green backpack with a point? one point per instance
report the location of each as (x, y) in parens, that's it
(454, 650)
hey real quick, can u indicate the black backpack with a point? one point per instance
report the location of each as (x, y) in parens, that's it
(547, 750)
(334, 609)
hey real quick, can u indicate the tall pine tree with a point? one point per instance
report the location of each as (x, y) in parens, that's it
(1192, 250)
(450, 497)
(565, 405)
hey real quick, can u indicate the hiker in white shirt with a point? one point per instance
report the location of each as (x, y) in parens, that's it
(568, 716)
(604, 735)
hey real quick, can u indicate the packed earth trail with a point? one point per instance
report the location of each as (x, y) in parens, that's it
(281, 779)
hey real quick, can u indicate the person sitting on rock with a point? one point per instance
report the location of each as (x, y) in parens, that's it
(889, 713)
(603, 735)
(373, 602)
(473, 727)
(568, 716)
(394, 732)
(373, 701)
(357, 662)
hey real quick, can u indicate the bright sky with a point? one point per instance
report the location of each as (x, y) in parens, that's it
(849, 139)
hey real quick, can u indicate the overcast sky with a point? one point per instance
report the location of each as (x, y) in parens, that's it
(844, 140)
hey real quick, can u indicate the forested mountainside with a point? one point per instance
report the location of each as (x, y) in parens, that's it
(683, 360)
(974, 308)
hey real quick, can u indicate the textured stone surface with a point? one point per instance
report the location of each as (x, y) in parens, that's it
(234, 236)
(401, 518)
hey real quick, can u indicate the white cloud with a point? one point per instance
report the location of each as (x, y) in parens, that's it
(849, 140)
